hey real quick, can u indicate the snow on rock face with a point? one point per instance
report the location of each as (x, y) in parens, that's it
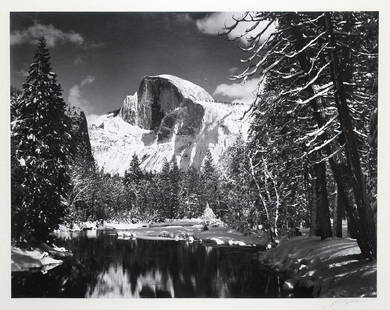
(187, 89)
(167, 118)
(129, 108)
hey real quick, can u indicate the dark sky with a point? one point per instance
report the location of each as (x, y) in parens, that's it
(103, 56)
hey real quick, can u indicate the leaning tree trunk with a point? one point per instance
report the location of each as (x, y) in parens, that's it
(367, 230)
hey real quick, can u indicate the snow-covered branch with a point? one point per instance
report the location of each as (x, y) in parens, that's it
(319, 147)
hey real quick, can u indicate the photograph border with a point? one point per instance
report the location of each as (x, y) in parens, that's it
(383, 275)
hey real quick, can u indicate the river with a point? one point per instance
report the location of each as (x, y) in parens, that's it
(104, 266)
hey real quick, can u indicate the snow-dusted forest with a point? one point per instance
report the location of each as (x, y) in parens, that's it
(291, 175)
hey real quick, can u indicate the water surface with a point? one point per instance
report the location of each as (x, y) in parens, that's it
(104, 266)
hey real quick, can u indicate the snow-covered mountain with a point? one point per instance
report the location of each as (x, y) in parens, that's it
(167, 118)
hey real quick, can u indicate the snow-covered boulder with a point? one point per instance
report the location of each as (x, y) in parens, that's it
(23, 260)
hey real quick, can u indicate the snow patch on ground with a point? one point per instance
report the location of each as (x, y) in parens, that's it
(208, 228)
(331, 268)
(218, 241)
(123, 226)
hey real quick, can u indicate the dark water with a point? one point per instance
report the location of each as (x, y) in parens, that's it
(107, 267)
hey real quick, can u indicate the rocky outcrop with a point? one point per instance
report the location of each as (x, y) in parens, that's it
(164, 104)
(80, 143)
(168, 118)
(129, 108)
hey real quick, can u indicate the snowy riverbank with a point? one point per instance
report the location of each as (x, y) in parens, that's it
(207, 228)
(330, 268)
(178, 230)
(38, 259)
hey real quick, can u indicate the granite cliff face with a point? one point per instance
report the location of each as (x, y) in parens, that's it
(163, 102)
(167, 118)
(80, 142)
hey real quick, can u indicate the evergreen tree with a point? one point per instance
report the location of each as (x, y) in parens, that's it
(132, 180)
(40, 126)
(18, 214)
(174, 180)
(239, 195)
(165, 191)
(210, 185)
(15, 103)
(134, 174)
(190, 194)
(149, 200)
(323, 67)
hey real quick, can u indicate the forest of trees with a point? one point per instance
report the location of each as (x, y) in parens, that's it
(145, 196)
(310, 156)
(314, 127)
(170, 194)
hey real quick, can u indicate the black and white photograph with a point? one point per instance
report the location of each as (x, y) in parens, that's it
(193, 154)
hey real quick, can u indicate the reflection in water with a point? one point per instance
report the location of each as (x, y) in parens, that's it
(103, 266)
(115, 282)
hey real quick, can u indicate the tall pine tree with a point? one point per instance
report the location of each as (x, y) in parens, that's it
(174, 179)
(165, 191)
(41, 130)
(134, 174)
(210, 183)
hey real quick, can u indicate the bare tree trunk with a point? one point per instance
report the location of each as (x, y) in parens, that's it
(367, 230)
(344, 204)
(314, 225)
(308, 195)
(339, 214)
(352, 222)
(322, 202)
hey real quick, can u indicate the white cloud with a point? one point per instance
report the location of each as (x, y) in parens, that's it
(215, 24)
(76, 98)
(88, 80)
(239, 92)
(52, 35)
